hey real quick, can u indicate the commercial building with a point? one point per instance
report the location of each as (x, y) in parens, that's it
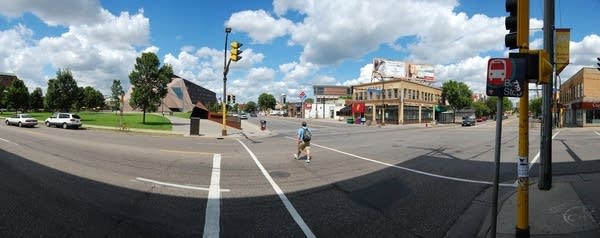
(6, 79)
(182, 96)
(397, 101)
(327, 101)
(580, 99)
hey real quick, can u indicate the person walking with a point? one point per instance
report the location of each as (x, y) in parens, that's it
(303, 142)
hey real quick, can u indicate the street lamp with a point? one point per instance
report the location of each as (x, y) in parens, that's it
(224, 107)
(378, 75)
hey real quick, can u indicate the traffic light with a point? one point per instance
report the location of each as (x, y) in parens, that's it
(517, 24)
(539, 67)
(235, 51)
(233, 99)
(598, 63)
(228, 98)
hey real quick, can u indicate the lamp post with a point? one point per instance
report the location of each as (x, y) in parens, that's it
(377, 74)
(224, 107)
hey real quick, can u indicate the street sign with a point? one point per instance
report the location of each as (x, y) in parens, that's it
(506, 77)
(302, 95)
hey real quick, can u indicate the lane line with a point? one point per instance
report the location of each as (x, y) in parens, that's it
(177, 185)
(213, 203)
(412, 170)
(537, 156)
(288, 205)
(597, 133)
(7, 141)
(187, 152)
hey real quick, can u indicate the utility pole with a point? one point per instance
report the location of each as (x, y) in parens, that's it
(545, 174)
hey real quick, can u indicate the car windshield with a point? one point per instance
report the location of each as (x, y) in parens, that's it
(25, 116)
(76, 116)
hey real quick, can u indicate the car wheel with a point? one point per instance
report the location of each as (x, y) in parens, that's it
(64, 126)
(20, 125)
(6, 122)
(47, 124)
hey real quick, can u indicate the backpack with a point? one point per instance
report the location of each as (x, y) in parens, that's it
(306, 136)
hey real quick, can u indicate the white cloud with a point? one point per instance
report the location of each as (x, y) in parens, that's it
(261, 26)
(55, 12)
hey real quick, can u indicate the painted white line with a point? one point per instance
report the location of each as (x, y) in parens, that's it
(178, 185)
(288, 205)
(7, 141)
(213, 204)
(597, 133)
(412, 170)
(537, 156)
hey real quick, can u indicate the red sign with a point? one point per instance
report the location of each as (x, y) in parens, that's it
(308, 106)
(499, 71)
(358, 107)
(301, 95)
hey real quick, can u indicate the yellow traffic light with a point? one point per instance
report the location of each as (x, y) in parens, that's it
(235, 51)
(539, 68)
(517, 24)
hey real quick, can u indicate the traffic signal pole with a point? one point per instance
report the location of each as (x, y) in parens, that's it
(522, 223)
(545, 182)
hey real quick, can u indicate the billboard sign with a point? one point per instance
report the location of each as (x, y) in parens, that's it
(421, 71)
(389, 68)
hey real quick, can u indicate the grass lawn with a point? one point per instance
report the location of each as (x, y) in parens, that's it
(110, 119)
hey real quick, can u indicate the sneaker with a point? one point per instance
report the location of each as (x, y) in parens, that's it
(308, 160)
(296, 156)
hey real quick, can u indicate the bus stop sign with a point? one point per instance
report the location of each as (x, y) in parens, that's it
(506, 77)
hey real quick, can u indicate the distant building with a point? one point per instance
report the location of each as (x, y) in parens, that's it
(397, 100)
(182, 96)
(580, 99)
(327, 101)
(6, 79)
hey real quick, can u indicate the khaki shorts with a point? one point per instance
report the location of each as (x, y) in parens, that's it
(304, 145)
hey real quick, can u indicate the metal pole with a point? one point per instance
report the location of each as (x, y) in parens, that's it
(224, 108)
(522, 222)
(545, 172)
(499, 113)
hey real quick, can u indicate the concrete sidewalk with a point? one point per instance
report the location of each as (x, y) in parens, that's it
(571, 208)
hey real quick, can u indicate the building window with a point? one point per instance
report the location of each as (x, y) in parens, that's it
(395, 93)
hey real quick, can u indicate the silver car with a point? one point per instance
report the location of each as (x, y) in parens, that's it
(21, 120)
(64, 120)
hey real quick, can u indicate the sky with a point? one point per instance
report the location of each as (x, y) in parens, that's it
(288, 45)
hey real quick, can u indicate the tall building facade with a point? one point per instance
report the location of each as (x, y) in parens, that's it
(580, 99)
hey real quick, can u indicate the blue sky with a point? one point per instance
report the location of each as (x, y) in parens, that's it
(288, 45)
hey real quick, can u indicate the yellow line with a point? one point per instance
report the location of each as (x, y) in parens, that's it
(188, 152)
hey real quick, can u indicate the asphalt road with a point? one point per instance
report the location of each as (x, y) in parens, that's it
(394, 181)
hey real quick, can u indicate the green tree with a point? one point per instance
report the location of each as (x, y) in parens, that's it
(480, 108)
(457, 94)
(92, 98)
(535, 107)
(18, 95)
(309, 100)
(2, 98)
(80, 102)
(36, 99)
(62, 92)
(149, 83)
(490, 102)
(266, 101)
(117, 92)
(251, 106)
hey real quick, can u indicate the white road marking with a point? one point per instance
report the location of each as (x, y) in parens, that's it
(213, 204)
(284, 199)
(597, 133)
(412, 170)
(7, 141)
(537, 156)
(178, 185)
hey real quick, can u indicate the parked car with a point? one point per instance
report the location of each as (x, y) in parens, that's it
(253, 114)
(468, 121)
(21, 120)
(243, 116)
(64, 120)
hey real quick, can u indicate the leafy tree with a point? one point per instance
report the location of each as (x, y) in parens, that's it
(149, 83)
(18, 95)
(250, 106)
(80, 103)
(490, 102)
(480, 108)
(2, 98)
(62, 92)
(92, 98)
(457, 94)
(117, 92)
(535, 107)
(266, 101)
(36, 99)
(309, 100)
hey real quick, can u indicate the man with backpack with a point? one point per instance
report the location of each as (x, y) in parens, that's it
(303, 141)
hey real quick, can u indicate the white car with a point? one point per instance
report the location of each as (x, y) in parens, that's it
(21, 120)
(64, 120)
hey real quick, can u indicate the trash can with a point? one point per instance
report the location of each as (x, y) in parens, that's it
(194, 125)
(350, 120)
(263, 125)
